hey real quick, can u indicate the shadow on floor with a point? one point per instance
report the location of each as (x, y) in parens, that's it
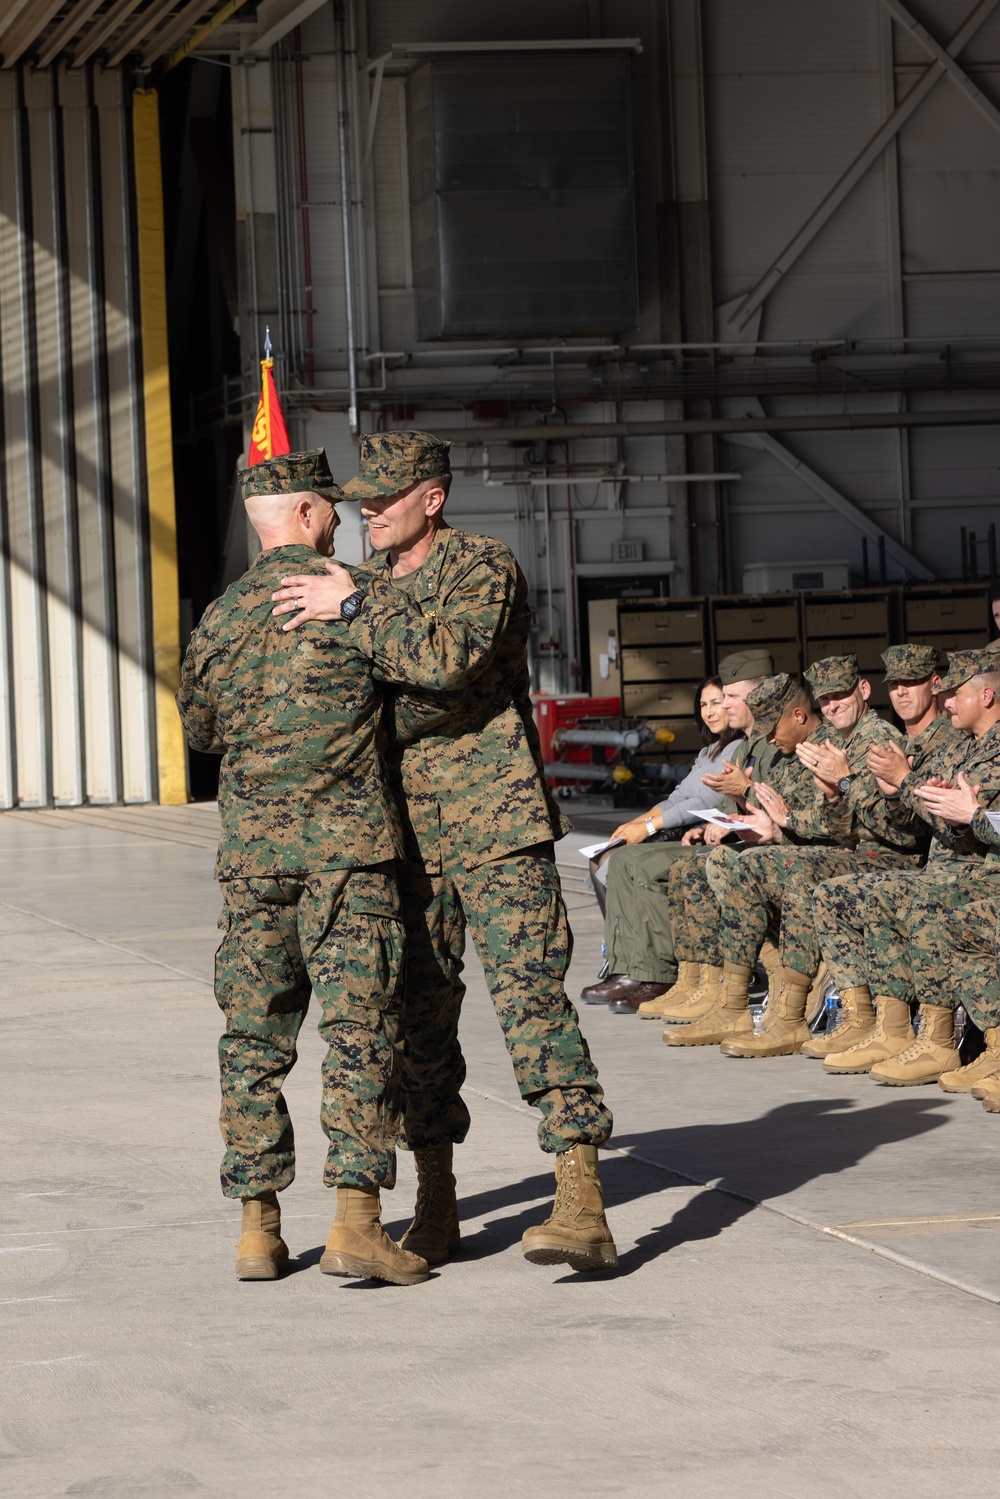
(748, 1162)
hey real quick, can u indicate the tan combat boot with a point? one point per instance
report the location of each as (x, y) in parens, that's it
(989, 1092)
(704, 998)
(856, 1024)
(893, 1033)
(816, 998)
(983, 1069)
(261, 1253)
(770, 961)
(728, 1015)
(434, 1233)
(359, 1245)
(576, 1232)
(784, 1029)
(688, 976)
(933, 1052)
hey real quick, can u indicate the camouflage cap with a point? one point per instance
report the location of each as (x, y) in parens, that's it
(910, 663)
(392, 461)
(292, 473)
(770, 698)
(833, 675)
(964, 665)
(743, 666)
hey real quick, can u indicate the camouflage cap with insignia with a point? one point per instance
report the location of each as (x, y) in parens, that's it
(743, 666)
(392, 461)
(910, 663)
(964, 665)
(833, 675)
(770, 698)
(292, 473)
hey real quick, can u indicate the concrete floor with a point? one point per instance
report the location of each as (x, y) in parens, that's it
(806, 1304)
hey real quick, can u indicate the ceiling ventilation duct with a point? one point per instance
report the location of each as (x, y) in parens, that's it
(522, 203)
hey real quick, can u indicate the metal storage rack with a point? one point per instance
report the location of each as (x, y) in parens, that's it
(861, 622)
(664, 653)
(772, 621)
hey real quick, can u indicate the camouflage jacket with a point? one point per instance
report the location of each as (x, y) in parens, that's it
(806, 805)
(938, 733)
(451, 639)
(755, 747)
(295, 718)
(864, 818)
(979, 760)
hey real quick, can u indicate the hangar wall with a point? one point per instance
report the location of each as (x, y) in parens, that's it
(817, 239)
(76, 676)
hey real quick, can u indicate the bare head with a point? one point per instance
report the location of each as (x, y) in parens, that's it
(299, 519)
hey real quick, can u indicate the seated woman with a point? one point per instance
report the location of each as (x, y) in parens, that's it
(637, 935)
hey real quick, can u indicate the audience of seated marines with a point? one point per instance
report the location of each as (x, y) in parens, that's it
(862, 871)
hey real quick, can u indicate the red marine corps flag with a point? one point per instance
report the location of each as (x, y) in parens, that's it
(269, 438)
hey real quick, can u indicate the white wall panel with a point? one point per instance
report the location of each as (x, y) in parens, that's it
(77, 698)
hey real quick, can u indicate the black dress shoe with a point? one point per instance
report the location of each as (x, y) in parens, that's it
(599, 994)
(627, 1001)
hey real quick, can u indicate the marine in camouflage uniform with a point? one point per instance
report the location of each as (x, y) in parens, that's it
(309, 833)
(692, 910)
(745, 885)
(868, 924)
(845, 836)
(479, 824)
(638, 925)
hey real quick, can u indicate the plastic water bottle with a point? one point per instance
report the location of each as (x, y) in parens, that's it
(832, 1008)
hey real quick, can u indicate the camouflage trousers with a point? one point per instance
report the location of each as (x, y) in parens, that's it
(339, 935)
(694, 910)
(516, 914)
(954, 952)
(875, 929)
(637, 931)
(770, 888)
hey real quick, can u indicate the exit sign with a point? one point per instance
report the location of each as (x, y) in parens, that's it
(626, 551)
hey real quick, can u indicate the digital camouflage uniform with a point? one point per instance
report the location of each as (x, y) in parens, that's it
(774, 883)
(638, 926)
(309, 833)
(479, 825)
(693, 908)
(866, 924)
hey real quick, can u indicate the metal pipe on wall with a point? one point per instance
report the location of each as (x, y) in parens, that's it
(345, 214)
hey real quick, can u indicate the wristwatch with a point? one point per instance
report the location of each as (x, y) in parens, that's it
(844, 783)
(651, 827)
(350, 607)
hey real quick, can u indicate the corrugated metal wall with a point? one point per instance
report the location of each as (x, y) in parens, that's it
(76, 712)
(793, 93)
(745, 118)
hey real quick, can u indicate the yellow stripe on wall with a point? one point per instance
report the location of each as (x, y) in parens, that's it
(171, 759)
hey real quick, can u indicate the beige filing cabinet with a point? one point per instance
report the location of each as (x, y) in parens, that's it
(605, 667)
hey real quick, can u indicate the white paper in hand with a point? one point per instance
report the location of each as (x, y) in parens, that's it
(722, 821)
(594, 850)
(993, 818)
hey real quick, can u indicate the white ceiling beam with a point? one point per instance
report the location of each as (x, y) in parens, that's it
(103, 30)
(276, 18)
(869, 153)
(67, 29)
(163, 42)
(18, 38)
(139, 30)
